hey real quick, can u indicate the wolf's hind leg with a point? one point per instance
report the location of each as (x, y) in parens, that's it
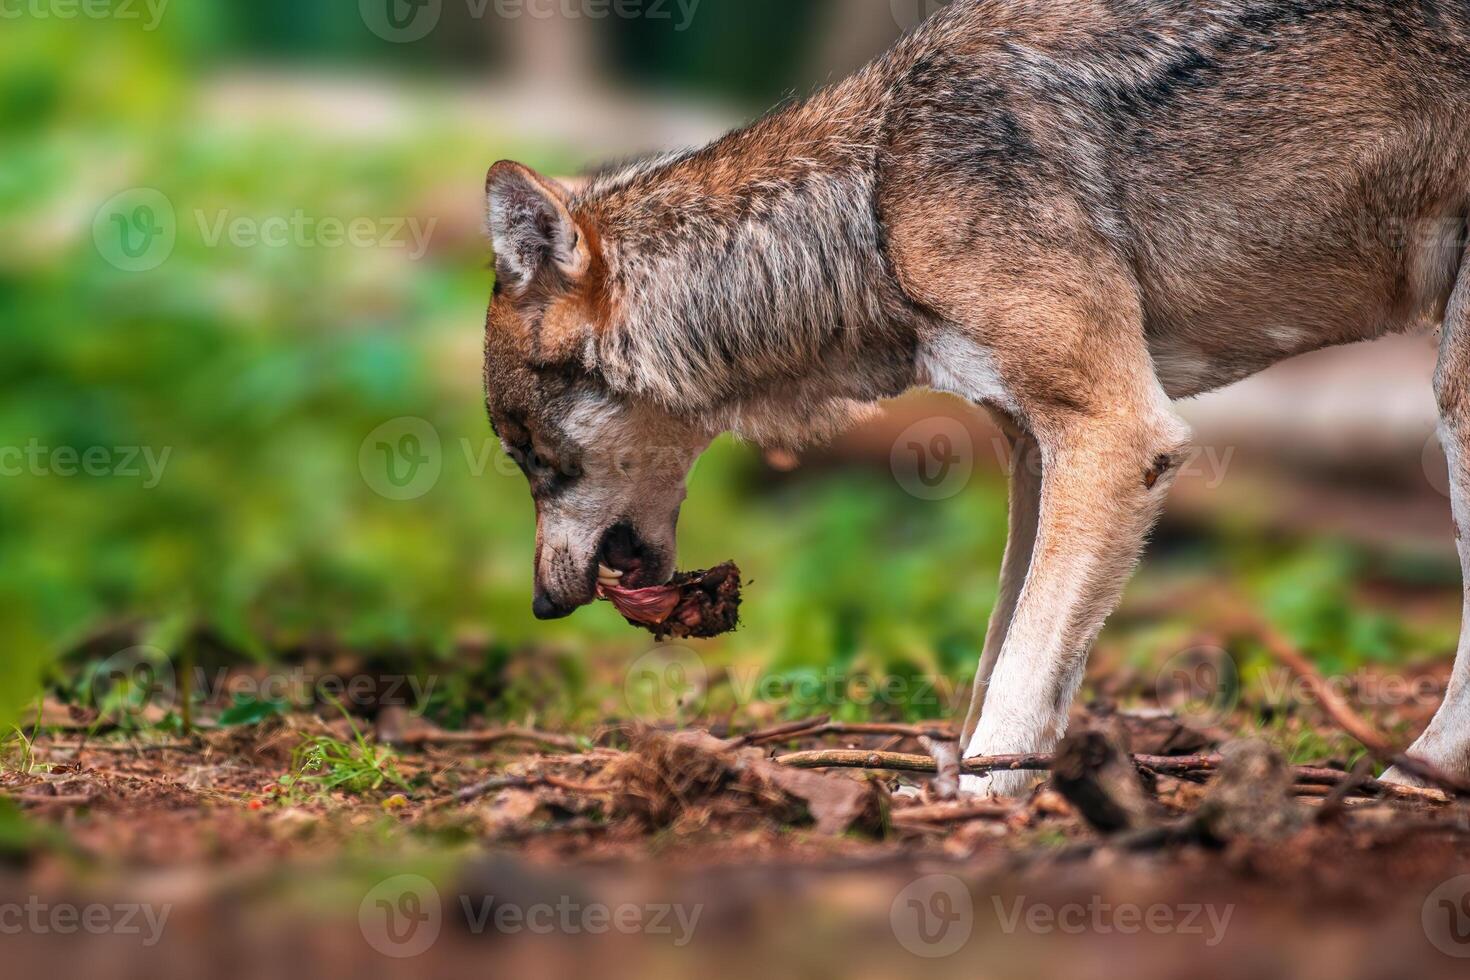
(1446, 742)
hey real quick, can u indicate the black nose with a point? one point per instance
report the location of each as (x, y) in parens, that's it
(545, 608)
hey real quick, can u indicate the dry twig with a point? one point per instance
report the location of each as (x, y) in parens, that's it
(1184, 767)
(1338, 710)
(816, 727)
(939, 814)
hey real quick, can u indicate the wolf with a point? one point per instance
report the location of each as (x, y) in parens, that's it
(1073, 213)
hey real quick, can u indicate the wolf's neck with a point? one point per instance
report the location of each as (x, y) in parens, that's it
(752, 269)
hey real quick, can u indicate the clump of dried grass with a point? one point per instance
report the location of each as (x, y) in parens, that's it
(689, 780)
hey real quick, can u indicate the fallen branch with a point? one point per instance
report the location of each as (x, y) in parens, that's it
(939, 814)
(817, 727)
(1166, 765)
(899, 761)
(791, 729)
(1314, 776)
(1339, 711)
(1336, 801)
(1184, 766)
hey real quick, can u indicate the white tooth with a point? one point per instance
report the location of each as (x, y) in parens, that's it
(604, 572)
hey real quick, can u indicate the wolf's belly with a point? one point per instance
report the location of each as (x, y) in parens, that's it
(1211, 322)
(1207, 353)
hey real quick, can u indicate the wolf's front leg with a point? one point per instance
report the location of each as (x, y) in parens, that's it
(1025, 508)
(1104, 483)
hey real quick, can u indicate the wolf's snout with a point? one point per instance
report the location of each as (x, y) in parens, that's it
(544, 607)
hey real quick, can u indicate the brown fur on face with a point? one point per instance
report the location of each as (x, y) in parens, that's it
(606, 471)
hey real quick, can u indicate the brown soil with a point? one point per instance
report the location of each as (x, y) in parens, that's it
(798, 873)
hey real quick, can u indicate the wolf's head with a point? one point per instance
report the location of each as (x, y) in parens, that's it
(606, 469)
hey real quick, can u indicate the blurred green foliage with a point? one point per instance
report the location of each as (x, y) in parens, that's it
(258, 373)
(255, 374)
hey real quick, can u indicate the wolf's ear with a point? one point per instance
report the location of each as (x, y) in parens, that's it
(530, 227)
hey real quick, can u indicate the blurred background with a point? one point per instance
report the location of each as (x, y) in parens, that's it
(242, 288)
(244, 254)
(243, 261)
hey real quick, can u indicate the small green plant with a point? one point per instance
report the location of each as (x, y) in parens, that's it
(328, 764)
(250, 710)
(20, 751)
(1301, 744)
(25, 761)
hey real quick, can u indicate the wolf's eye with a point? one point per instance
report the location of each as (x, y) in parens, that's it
(522, 455)
(543, 464)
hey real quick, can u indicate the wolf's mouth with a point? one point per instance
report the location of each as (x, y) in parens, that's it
(624, 561)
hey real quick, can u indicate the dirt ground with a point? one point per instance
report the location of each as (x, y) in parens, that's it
(515, 850)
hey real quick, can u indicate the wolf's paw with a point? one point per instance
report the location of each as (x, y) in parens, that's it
(1398, 777)
(1450, 756)
(1008, 784)
(1402, 777)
